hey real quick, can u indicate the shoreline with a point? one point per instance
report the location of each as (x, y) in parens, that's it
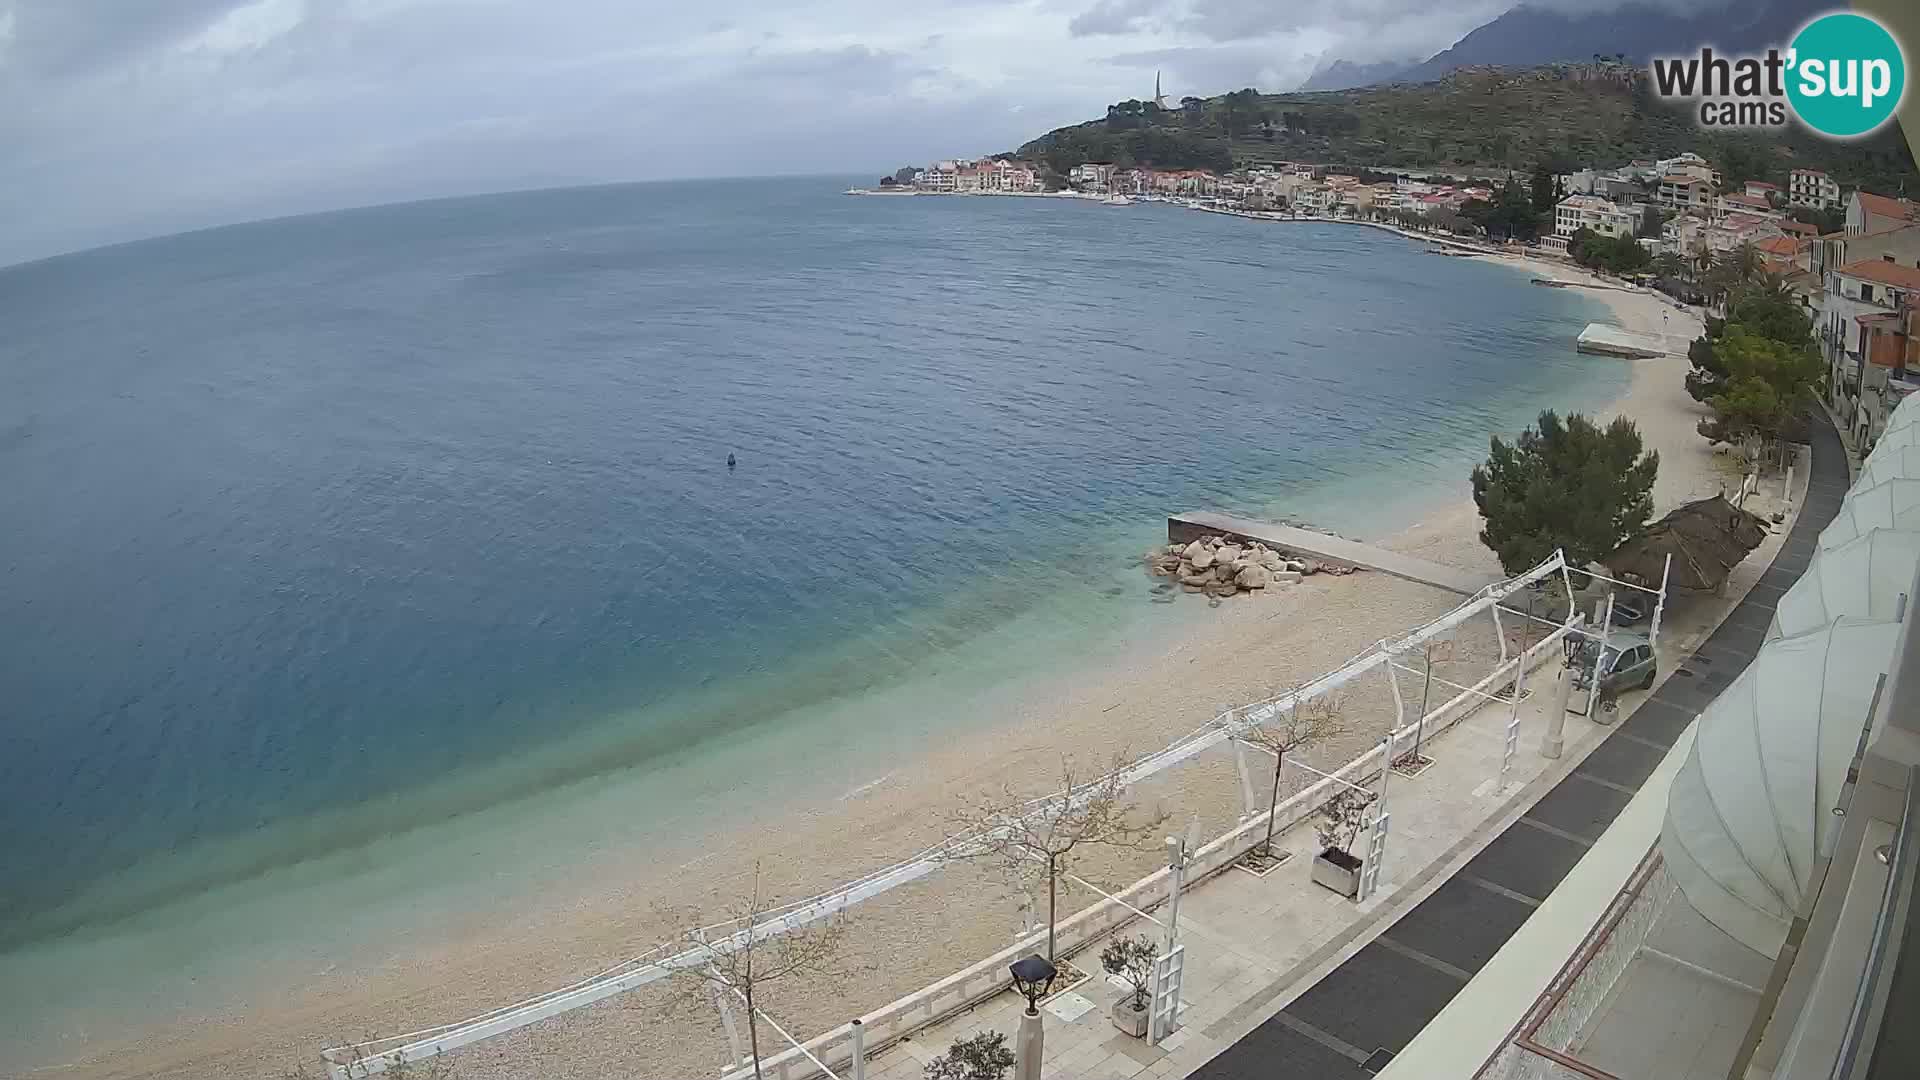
(1155, 689)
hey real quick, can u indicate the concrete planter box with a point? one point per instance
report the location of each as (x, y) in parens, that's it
(1129, 1019)
(1338, 871)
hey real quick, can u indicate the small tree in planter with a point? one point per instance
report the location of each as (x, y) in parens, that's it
(1336, 866)
(1305, 724)
(1131, 959)
(743, 957)
(981, 1057)
(1034, 839)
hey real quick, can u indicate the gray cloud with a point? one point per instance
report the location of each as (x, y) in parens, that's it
(133, 117)
(72, 36)
(1115, 17)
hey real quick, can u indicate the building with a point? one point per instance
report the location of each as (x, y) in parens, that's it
(1762, 190)
(1690, 164)
(1684, 192)
(941, 176)
(1740, 230)
(1744, 203)
(1684, 235)
(1836, 249)
(1856, 295)
(1812, 187)
(1867, 212)
(1783, 254)
(1576, 212)
(1093, 176)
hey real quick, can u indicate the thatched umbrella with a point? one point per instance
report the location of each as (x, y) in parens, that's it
(1707, 539)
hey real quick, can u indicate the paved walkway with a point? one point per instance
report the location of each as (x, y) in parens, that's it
(1285, 979)
(1182, 528)
(1350, 1023)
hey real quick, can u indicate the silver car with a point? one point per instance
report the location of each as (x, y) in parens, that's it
(1628, 664)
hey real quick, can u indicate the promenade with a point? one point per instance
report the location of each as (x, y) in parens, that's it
(1285, 979)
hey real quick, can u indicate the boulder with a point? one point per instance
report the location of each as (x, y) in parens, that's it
(1176, 549)
(1296, 566)
(1196, 580)
(1251, 576)
(1227, 552)
(1286, 577)
(1192, 588)
(1272, 560)
(1223, 573)
(1193, 550)
(1202, 559)
(1222, 590)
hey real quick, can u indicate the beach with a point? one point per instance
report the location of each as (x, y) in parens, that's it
(644, 884)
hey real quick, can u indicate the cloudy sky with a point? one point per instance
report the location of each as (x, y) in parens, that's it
(126, 118)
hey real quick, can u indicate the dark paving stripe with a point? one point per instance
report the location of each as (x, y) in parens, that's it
(1452, 971)
(1377, 998)
(1526, 860)
(1624, 759)
(1751, 617)
(1384, 994)
(1659, 721)
(1555, 830)
(1461, 924)
(1578, 808)
(1276, 1049)
(1629, 790)
(1499, 890)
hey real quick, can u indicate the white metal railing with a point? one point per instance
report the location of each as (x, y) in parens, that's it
(981, 980)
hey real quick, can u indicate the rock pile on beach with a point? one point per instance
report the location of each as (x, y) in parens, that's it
(1222, 566)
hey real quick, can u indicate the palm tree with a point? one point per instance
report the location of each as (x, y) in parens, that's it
(1669, 265)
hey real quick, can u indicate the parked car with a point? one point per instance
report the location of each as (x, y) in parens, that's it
(1628, 664)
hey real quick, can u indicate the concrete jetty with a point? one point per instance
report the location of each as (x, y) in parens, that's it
(1603, 340)
(1334, 550)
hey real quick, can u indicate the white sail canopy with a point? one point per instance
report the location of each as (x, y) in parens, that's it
(1751, 810)
(1892, 504)
(1864, 577)
(1898, 438)
(1905, 414)
(1898, 463)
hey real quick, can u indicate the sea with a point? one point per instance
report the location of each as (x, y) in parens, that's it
(353, 559)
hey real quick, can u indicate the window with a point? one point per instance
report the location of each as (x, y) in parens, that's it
(1866, 291)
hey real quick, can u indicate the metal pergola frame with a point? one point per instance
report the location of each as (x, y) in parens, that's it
(354, 1062)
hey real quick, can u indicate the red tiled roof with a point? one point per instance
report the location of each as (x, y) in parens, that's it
(1763, 184)
(1779, 245)
(1882, 206)
(1800, 227)
(1886, 273)
(1754, 201)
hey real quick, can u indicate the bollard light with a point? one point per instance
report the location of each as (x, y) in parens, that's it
(1032, 976)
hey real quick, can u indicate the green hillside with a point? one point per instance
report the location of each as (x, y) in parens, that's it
(1480, 120)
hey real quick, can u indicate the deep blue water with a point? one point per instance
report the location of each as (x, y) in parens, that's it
(296, 510)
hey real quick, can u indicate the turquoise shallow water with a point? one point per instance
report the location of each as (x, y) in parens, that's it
(328, 529)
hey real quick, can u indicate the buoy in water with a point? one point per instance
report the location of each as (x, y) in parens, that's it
(730, 461)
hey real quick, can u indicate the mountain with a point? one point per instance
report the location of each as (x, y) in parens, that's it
(1345, 75)
(1478, 120)
(1529, 36)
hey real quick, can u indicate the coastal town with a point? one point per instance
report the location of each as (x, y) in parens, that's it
(1851, 257)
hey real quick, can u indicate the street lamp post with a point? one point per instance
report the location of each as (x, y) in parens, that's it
(1032, 976)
